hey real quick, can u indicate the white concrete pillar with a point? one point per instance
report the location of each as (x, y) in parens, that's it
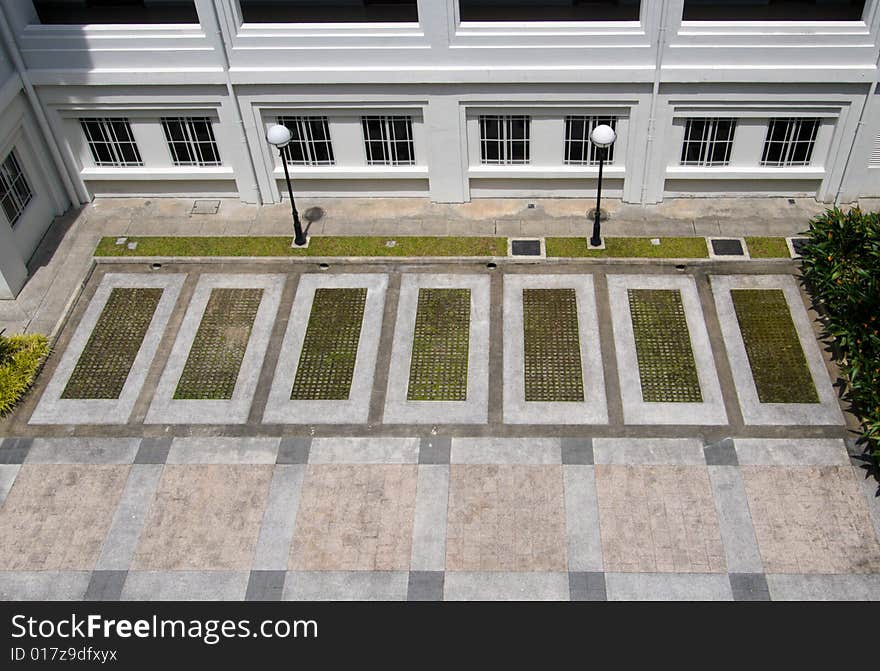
(447, 158)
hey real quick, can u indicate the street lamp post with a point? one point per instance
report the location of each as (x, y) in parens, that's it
(279, 136)
(603, 136)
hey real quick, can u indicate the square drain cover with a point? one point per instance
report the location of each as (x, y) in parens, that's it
(205, 207)
(727, 248)
(525, 248)
(797, 244)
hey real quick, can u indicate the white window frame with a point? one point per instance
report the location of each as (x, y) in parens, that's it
(388, 139)
(192, 142)
(506, 140)
(707, 141)
(586, 146)
(12, 179)
(301, 128)
(111, 140)
(789, 143)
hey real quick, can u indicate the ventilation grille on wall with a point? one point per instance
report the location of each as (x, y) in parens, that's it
(875, 155)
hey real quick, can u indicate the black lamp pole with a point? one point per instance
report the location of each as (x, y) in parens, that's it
(300, 239)
(596, 240)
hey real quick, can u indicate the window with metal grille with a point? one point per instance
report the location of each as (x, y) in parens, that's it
(773, 10)
(388, 140)
(790, 142)
(310, 142)
(579, 150)
(504, 140)
(15, 192)
(115, 11)
(111, 142)
(191, 140)
(707, 142)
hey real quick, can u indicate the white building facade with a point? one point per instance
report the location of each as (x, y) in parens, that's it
(450, 100)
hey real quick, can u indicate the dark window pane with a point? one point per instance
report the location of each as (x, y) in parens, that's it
(773, 10)
(773, 152)
(329, 11)
(691, 153)
(78, 12)
(102, 154)
(490, 151)
(175, 131)
(10, 209)
(801, 152)
(322, 153)
(518, 151)
(203, 131)
(532, 10)
(518, 128)
(129, 153)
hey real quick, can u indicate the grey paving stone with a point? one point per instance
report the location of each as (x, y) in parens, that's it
(279, 518)
(216, 450)
(587, 586)
(577, 451)
(105, 586)
(364, 451)
(185, 586)
(505, 451)
(43, 585)
(582, 519)
(265, 586)
(735, 521)
(789, 587)
(668, 587)
(294, 451)
(346, 586)
(83, 451)
(648, 451)
(429, 522)
(749, 587)
(791, 452)
(8, 473)
(14, 450)
(722, 453)
(425, 586)
(435, 450)
(153, 451)
(498, 586)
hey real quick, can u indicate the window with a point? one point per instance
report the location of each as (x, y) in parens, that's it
(564, 10)
(773, 10)
(79, 12)
(790, 142)
(310, 144)
(191, 140)
(15, 192)
(329, 11)
(707, 142)
(111, 142)
(578, 148)
(388, 140)
(504, 140)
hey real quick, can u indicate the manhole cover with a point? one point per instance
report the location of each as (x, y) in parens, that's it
(727, 248)
(525, 248)
(205, 207)
(798, 244)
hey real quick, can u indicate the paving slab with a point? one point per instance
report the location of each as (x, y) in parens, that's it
(506, 586)
(185, 586)
(824, 587)
(668, 587)
(346, 586)
(43, 585)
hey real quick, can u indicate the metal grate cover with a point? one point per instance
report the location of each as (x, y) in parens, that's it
(551, 342)
(439, 364)
(212, 367)
(109, 354)
(667, 370)
(326, 363)
(727, 247)
(779, 367)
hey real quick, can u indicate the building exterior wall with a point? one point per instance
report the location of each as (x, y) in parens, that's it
(652, 75)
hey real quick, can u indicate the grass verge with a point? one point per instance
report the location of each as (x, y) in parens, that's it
(21, 357)
(669, 248)
(767, 248)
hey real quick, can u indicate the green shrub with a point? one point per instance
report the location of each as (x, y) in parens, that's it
(20, 359)
(841, 267)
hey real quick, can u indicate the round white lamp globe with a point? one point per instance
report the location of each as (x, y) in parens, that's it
(602, 136)
(278, 135)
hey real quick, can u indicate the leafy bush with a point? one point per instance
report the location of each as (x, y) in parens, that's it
(841, 267)
(20, 359)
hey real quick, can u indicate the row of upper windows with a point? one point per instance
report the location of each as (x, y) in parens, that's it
(379, 11)
(504, 140)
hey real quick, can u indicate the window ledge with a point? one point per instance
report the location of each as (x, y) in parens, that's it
(166, 173)
(750, 172)
(545, 172)
(353, 172)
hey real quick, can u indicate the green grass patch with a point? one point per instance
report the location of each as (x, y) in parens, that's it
(776, 358)
(669, 248)
(329, 353)
(439, 363)
(318, 246)
(768, 248)
(21, 357)
(212, 367)
(106, 360)
(551, 345)
(667, 370)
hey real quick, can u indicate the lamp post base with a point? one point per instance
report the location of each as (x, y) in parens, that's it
(293, 244)
(595, 244)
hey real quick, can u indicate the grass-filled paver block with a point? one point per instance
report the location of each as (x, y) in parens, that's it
(667, 369)
(779, 367)
(439, 364)
(330, 346)
(763, 247)
(215, 357)
(106, 360)
(553, 370)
